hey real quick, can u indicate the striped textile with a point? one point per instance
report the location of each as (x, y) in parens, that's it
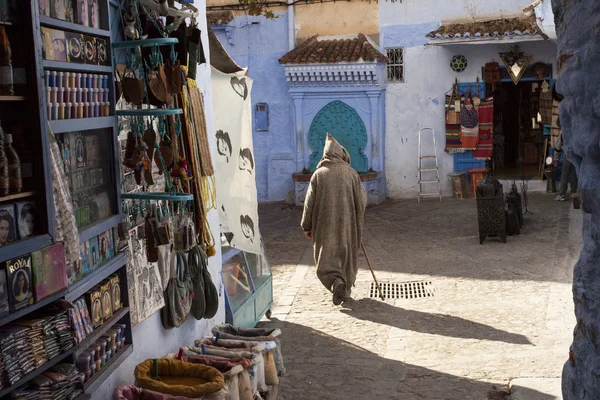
(485, 147)
(453, 142)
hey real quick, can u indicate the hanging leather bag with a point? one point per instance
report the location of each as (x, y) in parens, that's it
(199, 302)
(179, 294)
(210, 290)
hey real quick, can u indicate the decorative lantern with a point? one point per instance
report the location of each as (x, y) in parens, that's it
(514, 206)
(458, 63)
(490, 209)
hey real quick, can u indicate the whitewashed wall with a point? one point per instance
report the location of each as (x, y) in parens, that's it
(150, 339)
(419, 102)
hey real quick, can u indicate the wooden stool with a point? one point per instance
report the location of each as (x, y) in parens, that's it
(476, 175)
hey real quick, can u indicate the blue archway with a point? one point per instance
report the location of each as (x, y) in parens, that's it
(346, 126)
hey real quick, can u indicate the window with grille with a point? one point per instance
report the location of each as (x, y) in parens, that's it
(395, 65)
(261, 117)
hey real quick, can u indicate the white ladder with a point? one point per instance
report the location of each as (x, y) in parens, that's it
(422, 169)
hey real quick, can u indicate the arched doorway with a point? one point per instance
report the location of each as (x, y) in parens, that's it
(346, 126)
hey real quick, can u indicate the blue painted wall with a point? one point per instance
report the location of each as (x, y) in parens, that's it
(579, 81)
(418, 102)
(258, 43)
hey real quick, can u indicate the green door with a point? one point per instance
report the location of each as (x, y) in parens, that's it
(346, 126)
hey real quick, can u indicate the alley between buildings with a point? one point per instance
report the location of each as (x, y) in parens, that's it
(499, 324)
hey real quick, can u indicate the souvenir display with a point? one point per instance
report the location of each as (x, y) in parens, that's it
(74, 47)
(102, 51)
(105, 244)
(82, 12)
(8, 230)
(94, 258)
(84, 255)
(95, 302)
(89, 50)
(44, 7)
(4, 308)
(54, 44)
(115, 284)
(63, 381)
(20, 285)
(61, 9)
(94, 14)
(27, 216)
(49, 271)
(107, 303)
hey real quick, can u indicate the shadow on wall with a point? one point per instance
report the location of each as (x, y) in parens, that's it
(423, 322)
(321, 366)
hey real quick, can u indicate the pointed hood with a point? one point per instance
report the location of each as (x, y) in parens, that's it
(333, 152)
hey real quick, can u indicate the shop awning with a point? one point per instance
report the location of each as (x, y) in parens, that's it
(541, 11)
(219, 58)
(513, 30)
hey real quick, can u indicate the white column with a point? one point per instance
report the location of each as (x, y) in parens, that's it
(376, 142)
(299, 137)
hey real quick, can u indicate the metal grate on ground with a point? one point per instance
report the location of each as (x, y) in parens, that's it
(406, 290)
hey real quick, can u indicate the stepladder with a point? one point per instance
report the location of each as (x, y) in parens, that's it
(428, 167)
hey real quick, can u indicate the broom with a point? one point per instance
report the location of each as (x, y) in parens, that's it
(372, 272)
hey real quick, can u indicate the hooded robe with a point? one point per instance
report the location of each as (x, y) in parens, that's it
(334, 211)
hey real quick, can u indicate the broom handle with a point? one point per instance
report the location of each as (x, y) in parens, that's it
(372, 272)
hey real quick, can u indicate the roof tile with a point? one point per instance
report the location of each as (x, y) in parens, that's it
(330, 51)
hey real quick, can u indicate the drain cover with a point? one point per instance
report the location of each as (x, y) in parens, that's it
(406, 290)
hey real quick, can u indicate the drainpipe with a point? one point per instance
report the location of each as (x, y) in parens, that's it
(291, 26)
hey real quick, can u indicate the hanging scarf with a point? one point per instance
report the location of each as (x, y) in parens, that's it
(556, 130)
(453, 142)
(469, 125)
(485, 146)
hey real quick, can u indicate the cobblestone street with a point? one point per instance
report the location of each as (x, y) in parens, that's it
(498, 327)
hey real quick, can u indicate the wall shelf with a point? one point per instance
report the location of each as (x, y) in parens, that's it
(36, 372)
(13, 197)
(96, 381)
(28, 310)
(65, 66)
(70, 26)
(151, 112)
(95, 335)
(93, 278)
(13, 98)
(99, 227)
(81, 124)
(131, 44)
(21, 247)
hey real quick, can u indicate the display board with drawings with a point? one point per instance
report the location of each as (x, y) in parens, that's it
(145, 287)
(235, 166)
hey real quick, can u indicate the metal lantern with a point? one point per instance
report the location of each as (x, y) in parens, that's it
(490, 209)
(513, 198)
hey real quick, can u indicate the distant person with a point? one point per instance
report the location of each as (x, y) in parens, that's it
(333, 217)
(568, 174)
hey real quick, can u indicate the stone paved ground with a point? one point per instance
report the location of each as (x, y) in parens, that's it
(500, 321)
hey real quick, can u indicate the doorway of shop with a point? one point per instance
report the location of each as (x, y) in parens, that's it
(520, 140)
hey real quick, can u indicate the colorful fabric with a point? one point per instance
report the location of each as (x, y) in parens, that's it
(453, 142)
(485, 146)
(469, 121)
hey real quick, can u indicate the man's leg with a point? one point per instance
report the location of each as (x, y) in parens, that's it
(564, 181)
(574, 182)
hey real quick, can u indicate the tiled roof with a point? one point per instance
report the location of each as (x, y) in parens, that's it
(332, 49)
(495, 29)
